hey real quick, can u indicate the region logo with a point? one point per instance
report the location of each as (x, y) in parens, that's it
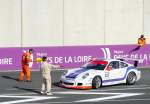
(106, 52)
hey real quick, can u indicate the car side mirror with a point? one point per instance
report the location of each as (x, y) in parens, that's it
(109, 68)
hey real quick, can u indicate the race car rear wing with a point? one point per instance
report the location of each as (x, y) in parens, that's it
(136, 60)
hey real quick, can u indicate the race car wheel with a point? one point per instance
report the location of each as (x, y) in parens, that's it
(131, 78)
(97, 82)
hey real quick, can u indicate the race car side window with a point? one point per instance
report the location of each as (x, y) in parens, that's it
(122, 65)
(114, 64)
(100, 67)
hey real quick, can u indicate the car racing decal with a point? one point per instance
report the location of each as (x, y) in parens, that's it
(76, 73)
(106, 74)
(118, 79)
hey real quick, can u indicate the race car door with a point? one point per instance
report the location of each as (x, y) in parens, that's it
(116, 73)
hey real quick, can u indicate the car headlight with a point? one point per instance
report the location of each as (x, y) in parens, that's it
(85, 75)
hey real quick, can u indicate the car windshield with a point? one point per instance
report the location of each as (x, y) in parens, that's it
(97, 65)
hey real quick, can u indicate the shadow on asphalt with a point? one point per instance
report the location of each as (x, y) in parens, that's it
(56, 84)
(8, 77)
(27, 89)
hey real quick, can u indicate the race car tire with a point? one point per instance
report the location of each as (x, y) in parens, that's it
(131, 78)
(97, 82)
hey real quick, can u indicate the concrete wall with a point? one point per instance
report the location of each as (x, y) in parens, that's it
(42, 22)
(83, 22)
(72, 22)
(146, 21)
(123, 21)
(10, 23)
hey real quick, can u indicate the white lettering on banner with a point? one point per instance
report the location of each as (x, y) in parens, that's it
(41, 54)
(50, 59)
(145, 57)
(134, 56)
(58, 59)
(82, 58)
(140, 56)
(6, 61)
(65, 59)
(118, 52)
(72, 59)
(120, 56)
(68, 60)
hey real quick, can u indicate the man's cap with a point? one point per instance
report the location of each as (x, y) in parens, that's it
(44, 58)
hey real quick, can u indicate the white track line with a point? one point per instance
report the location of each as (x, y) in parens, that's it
(130, 100)
(57, 102)
(109, 97)
(137, 85)
(86, 93)
(122, 89)
(11, 89)
(26, 99)
(16, 94)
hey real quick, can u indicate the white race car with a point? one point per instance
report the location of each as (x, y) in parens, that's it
(100, 72)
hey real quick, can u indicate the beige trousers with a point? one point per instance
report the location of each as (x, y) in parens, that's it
(46, 84)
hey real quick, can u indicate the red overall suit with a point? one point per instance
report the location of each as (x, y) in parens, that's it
(25, 67)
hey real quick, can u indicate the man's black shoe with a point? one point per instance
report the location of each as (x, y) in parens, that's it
(19, 80)
(28, 81)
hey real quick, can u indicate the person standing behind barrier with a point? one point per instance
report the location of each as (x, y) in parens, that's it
(45, 69)
(141, 43)
(26, 59)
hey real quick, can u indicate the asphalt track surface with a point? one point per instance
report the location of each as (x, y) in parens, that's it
(14, 92)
